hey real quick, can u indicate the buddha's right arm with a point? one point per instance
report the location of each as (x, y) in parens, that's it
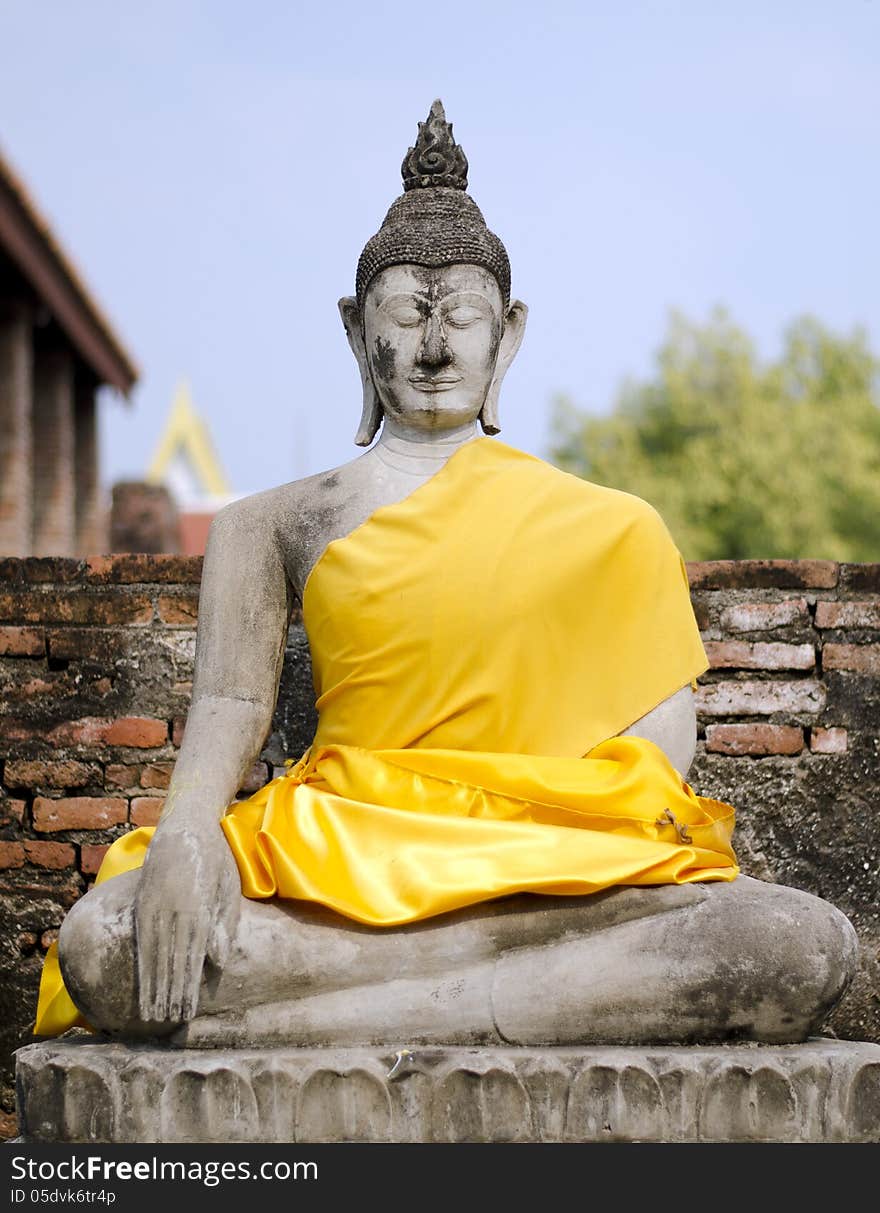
(188, 897)
(244, 610)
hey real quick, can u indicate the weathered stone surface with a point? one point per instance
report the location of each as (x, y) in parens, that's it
(81, 1090)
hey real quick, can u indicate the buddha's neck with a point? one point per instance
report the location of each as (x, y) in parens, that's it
(417, 452)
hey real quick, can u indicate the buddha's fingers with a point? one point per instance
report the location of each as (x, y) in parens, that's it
(147, 947)
(165, 963)
(186, 966)
(225, 922)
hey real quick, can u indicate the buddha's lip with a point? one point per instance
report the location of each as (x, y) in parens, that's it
(434, 383)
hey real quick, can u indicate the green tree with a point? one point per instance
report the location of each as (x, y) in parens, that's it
(744, 459)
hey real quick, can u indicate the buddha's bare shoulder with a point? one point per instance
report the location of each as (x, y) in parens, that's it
(292, 522)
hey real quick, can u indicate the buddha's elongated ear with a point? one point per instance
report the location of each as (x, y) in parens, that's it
(371, 415)
(511, 339)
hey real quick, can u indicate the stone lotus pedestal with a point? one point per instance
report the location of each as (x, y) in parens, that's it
(85, 1090)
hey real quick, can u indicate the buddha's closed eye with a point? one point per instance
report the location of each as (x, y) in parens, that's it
(463, 317)
(406, 317)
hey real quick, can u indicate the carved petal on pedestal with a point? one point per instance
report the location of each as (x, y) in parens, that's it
(40, 1089)
(813, 1083)
(774, 1105)
(740, 1104)
(476, 1104)
(863, 1112)
(680, 1088)
(336, 1105)
(140, 1094)
(547, 1089)
(608, 1104)
(275, 1090)
(89, 1104)
(211, 1104)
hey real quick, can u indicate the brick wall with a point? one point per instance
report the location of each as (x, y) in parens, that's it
(95, 678)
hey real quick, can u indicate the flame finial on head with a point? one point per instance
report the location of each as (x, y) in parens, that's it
(436, 159)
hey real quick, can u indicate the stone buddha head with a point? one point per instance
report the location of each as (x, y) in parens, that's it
(432, 325)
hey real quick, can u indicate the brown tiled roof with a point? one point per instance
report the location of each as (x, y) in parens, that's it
(28, 241)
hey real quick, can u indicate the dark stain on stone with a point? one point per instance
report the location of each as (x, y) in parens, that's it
(330, 481)
(383, 363)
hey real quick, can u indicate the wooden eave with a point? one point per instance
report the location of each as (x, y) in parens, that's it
(27, 240)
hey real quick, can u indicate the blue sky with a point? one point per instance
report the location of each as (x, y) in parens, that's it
(215, 169)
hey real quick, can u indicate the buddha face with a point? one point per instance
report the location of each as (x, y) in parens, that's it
(432, 340)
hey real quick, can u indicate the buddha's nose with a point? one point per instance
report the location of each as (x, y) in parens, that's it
(434, 351)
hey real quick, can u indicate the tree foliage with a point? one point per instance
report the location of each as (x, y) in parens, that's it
(744, 459)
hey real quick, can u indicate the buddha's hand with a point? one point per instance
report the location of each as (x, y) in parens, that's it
(186, 912)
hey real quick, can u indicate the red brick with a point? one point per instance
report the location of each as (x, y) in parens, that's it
(145, 810)
(848, 614)
(178, 724)
(754, 739)
(91, 857)
(861, 577)
(741, 655)
(49, 854)
(139, 732)
(88, 730)
(11, 811)
(181, 610)
(64, 774)
(75, 606)
(134, 568)
(35, 570)
(32, 687)
(11, 855)
(122, 775)
(60, 888)
(862, 658)
(701, 614)
(8, 1126)
(763, 574)
(78, 813)
(87, 644)
(828, 741)
(22, 642)
(156, 775)
(761, 698)
(763, 616)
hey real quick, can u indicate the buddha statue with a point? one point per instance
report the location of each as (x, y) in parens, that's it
(491, 837)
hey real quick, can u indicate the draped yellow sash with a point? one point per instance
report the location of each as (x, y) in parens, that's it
(476, 649)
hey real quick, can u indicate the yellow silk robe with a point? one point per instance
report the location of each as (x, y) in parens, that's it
(476, 649)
